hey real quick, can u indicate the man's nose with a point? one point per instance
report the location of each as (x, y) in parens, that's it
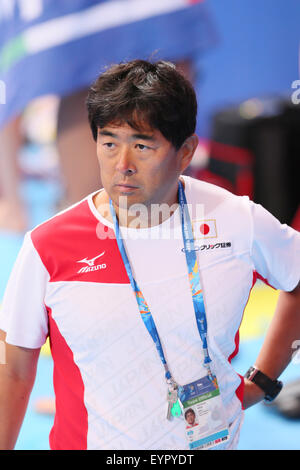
(125, 164)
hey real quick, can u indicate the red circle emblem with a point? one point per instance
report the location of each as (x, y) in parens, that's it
(204, 229)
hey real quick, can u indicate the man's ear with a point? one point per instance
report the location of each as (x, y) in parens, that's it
(187, 151)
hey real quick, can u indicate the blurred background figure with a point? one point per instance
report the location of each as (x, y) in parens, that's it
(58, 47)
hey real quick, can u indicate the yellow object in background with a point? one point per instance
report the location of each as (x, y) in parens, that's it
(46, 349)
(259, 311)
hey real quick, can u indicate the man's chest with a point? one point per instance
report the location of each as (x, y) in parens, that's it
(100, 316)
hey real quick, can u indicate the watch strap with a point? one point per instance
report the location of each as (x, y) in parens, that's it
(269, 386)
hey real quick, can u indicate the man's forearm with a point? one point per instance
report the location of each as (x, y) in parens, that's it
(17, 375)
(284, 330)
(277, 348)
(14, 396)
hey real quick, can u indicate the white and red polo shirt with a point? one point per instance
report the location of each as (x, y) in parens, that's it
(69, 282)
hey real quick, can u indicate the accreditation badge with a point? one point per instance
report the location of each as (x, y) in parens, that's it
(204, 413)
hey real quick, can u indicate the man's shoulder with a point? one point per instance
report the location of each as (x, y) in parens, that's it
(211, 194)
(65, 239)
(64, 225)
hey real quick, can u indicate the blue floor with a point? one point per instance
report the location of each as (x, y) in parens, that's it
(263, 428)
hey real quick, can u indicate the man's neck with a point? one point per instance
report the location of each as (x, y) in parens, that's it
(141, 217)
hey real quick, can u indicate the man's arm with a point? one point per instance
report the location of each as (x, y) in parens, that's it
(276, 351)
(17, 374)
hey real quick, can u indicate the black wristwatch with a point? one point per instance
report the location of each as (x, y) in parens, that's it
(269, 386)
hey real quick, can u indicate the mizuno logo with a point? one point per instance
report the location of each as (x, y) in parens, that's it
(91, 264)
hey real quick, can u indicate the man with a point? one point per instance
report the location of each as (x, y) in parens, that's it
(102, 275)
(190, 418)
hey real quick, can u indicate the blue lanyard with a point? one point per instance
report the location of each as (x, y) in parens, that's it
(194, 278)
(193, 273)
(142, 304)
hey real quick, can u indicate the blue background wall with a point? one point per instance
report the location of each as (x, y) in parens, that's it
(257, 53)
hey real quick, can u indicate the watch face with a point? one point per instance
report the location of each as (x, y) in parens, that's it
(251, 373)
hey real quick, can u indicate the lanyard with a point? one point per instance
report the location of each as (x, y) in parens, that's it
(194, 278)
(193, 273)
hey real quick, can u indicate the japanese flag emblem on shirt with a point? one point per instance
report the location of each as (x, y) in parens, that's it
(205, 229)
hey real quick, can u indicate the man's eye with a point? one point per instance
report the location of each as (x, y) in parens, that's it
(109, 145)
(142, 147)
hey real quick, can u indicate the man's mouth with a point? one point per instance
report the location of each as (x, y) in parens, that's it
(126, 187)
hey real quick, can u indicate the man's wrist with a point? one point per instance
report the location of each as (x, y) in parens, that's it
(252, 394)
(271, 387)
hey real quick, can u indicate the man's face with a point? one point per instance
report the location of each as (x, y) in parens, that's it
(190, 418)
(141, 167)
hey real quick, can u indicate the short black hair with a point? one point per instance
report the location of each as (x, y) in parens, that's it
(144, 94)
(190, 410)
